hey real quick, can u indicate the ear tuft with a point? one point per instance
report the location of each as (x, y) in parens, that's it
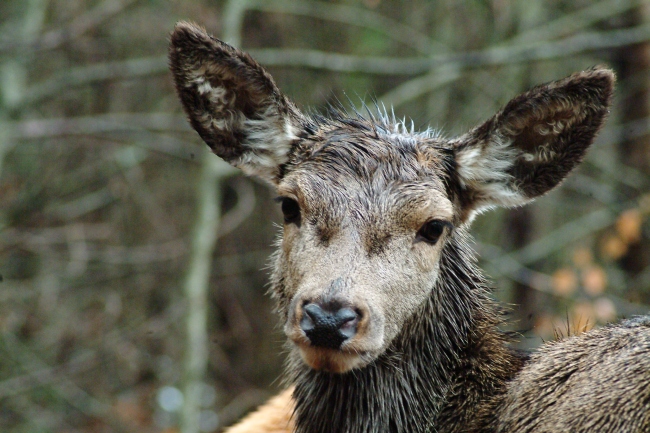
(232, 102)
(531, 145)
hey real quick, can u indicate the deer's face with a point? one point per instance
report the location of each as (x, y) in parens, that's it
(369, 208)
(365, 216)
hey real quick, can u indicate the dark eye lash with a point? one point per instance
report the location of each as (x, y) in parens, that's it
(444, 223)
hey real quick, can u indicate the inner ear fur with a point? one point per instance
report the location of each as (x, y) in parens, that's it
(532, 144)
(232, 102)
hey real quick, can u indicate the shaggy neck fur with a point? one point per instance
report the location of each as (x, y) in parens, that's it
(449, 360)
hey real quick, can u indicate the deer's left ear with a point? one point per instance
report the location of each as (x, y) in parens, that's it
(531, 145)
(233, 103)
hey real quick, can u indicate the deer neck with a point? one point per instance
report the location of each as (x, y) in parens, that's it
(446, 355)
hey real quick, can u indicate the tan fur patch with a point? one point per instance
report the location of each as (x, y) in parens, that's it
(275, 416)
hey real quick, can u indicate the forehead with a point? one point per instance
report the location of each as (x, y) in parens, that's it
(356, 159)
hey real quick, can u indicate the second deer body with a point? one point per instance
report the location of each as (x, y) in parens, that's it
(391, 323)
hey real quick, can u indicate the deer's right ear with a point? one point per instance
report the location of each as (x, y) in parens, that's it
(233, 103)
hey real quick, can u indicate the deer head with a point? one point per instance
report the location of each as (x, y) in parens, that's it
(370, 208)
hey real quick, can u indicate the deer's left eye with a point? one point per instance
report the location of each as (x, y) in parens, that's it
(431, 231)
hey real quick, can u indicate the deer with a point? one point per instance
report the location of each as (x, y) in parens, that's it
(390, 323)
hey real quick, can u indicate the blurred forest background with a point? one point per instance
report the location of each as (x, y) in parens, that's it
(118, 313)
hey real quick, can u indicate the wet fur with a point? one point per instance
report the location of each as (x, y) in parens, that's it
(447, 368)
(448, 361)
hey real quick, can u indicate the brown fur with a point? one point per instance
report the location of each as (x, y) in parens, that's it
(598, 381)
(376, 225)
(272, 417)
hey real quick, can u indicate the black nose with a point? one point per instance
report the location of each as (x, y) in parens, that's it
(328, 324)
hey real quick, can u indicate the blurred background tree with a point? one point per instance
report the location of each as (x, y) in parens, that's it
(106, 194)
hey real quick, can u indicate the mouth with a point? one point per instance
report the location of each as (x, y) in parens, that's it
(331, 360)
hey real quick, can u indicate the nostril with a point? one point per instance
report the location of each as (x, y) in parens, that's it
(307, 321)
(312, 310)
(346, 315)
(348, 320)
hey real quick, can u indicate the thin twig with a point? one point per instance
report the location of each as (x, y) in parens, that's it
(139, 255)
(572, 22)
(154, 132)
(97, 124)
(53, 235)
(72, 30)
(422, 85)
(355, 16)
(554, 241)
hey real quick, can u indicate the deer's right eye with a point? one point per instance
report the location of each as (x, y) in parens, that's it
(431, 231)
(290, 210)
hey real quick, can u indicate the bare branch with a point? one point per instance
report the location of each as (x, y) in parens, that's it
(581, 43)
(48, 236)
(354, 16)
(75, 77)
(553, 241)
(145, 130)
(90, 202)
(562, 26)
(569, 23)
(92, 125)
(422, 85)
(72, 30)
(140, 255)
